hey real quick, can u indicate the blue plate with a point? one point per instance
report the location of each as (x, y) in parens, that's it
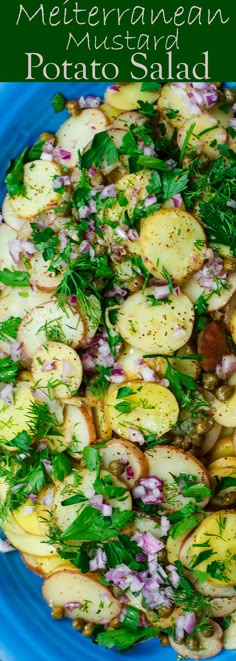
(27, 632)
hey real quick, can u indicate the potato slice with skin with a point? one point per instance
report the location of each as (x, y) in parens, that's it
(59, 363)
(40, 275)
(70, 586)
(232, 325)
(126, 96)
(193, 290)
(102, 422)
(127, 453)
(163, 328)
(173, 545)
(27, 520)
(224, 447)
(229, 635)
(82, 481)
(78, 429)
(92, 323)
(189, 367)
(208, 647)
(17, 301)
(10, 217)
(173, 97)
(223, 117)
(13, 418)
(27, 543)
(165, 462)
(218, 529)
(77, 132)
(168, 239)
(43, 566)
(225, 412)
(199, 141)
(205, 588)
(149, 408)
(6, 234)
(43, 322)
(125, 119)
(40, 195)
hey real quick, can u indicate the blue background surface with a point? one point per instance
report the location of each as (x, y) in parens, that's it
(27, 632)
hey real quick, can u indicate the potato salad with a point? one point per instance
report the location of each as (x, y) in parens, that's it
(118, 365)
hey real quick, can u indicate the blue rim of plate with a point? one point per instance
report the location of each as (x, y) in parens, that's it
(27, 631)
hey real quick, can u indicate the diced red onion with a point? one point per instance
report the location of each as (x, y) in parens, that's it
(33, 497)
(233, 123)
(147, 373)
(149, 490)
(215, 267)
(149, 200)
(48, 499)
(16, 350)
(5, 546)
(46, 157)
(48, 366)
(107, 510)
(141, 557)
(149, 150)
(121, 233)
(177, 199)
(165, 525)
(63, 180)
(92, 172)
(113, 88)
(90, 101)
(108, 191)
(71, 605)
(17, 247)
(115, 290)
(99, 561)
(135, 436)
(179, 332)
(86, 247)
(28, 509)
(132, 234)
(47, 465)
(231, 203)
(88, 362)
(6, 393)
(129, 472)
(227, 366)
(149, 543)
(174, 576)
(190, 622)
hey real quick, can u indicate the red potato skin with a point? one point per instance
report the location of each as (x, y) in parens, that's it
(212, 345)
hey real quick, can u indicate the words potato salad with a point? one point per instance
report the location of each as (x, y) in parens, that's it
(118, 365)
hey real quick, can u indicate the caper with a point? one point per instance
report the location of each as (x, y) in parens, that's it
(152, 618)
(165, 611)
(192, 643)
(115, 467)
(47, 136)
(204, 425)
(229, 498)
(117, 592)
(207, 633)
(209, 381)
(162, 555)
(196, 440)
(88, 629)
(164, 639)
(73, 107)
(224, 393)
(229, 95)
(78, 624)
(57, 612)
(115, 623)
(135, 283)
(230, 264)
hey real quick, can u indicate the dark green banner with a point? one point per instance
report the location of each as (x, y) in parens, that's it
(94, 40)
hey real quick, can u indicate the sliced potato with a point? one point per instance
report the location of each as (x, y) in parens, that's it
(78, 429)
(82, 482)
(163, 328)
(167, 462)
(111, 113)
(6, 234)
(193, 290)
(17, 301)
(77, 132)
(218, 530)
(173, 545)
(57, 364)
(130, 359)
(10, 217)
(128, 454)
(44, 565)
(44, 279)
(47, 322)
(189, 367)
(13, 418)
(126, 96)
(229, 635)
(225, 412)
(205, 132)
(232, 325)
(102, 422)
(40, 195)
(224, 447)
(208, 647)
(92, 322)
(175, 98)
(27, 543)
(27, 520)
(149, 407)
(223, 117)
(67, 586)
(168, 239)
(125, 119)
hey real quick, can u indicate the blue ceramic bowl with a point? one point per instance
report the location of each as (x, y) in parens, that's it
(27, 632)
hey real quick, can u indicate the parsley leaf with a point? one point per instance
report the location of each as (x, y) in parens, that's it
(91, 457)
(62, 466)
(173, 182)
(15, 175)
(150, 87)
(225, 483)
(8, 370)
(9, 328)
(102, 148)
(58, 102)
(45, 240)
(201, 557)
(36, 151)
(147, 108)
(22, 441)
(124, 391)
(123, 638)
(14, 278)
(105, 487)
(92, 526)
